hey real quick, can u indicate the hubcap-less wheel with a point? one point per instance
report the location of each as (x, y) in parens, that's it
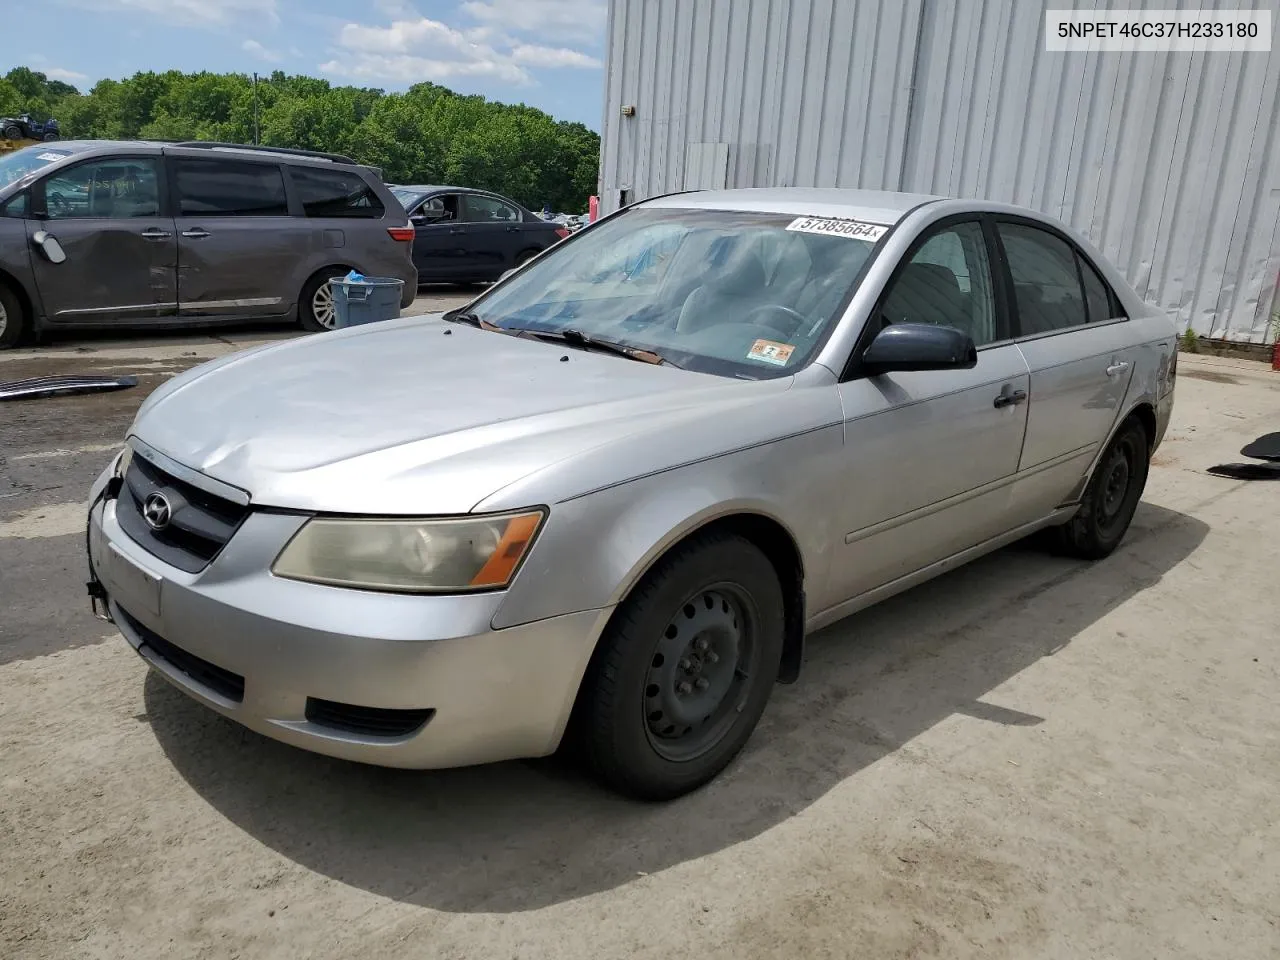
(322, 305)
(700, 672)
(1116, 477)
(4, 319)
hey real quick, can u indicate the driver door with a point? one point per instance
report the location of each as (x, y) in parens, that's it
(930, 456)
(121, 263)
(439, 242)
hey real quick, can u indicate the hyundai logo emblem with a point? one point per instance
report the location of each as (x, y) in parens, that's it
(156, 511)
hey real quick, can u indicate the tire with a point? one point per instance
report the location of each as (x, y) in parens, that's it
(48, 137)
(12, 132)
(13, 319)
(525, 256)
(676, 647)
(309, 301)
(1110, 499)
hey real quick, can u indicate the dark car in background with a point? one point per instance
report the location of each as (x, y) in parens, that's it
(100, 233)
(471, 236)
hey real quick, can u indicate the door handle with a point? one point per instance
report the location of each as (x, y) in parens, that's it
(457, 230)
(1007, 398)
(513, 229)
(195, 233)
(1120, 366)
(153, 233)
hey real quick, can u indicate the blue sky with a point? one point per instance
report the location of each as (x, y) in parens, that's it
(547, 53)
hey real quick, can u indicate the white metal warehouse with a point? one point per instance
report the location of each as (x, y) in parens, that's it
(1169, 162)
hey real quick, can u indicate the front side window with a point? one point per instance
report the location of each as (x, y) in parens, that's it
(488, 210)
(104, 190)
(750, 295)
(335, 193)
(230, 188)
(1046, 286)
(947, 282)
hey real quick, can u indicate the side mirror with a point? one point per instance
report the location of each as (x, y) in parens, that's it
(919, 346)
(49, 246)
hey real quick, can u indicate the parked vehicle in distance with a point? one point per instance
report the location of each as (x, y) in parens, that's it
(145, 234)
(22, 127)
(607, 499)
(471, 236)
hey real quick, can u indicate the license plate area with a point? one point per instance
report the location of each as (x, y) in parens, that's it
(134, 588)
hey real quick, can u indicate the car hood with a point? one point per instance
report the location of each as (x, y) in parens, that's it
(413, 416)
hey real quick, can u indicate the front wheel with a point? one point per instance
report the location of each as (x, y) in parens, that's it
(12, 132)
(1111, 498)
(50, 136)
(12, 319)
(684, 669)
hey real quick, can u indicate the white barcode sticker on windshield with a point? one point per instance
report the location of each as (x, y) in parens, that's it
(829, 226)
(51, 157)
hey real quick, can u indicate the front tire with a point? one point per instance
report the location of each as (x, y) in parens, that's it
(684, 669)
(12, 132)
(13, 319)
(1111, 498)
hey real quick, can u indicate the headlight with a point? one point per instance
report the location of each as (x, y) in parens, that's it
(122, 464)
(410, 556)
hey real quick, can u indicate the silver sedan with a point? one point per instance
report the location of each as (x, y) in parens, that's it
(605, 501)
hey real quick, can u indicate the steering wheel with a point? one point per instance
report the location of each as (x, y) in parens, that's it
(777, 322)
(58, 204)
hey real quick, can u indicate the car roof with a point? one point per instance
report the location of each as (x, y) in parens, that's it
(878, 206)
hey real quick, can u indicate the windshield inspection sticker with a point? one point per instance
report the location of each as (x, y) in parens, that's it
(853, 229)
(770, 351)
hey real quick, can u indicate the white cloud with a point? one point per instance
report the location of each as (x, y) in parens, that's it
(66, 76)
(411, 51)
(581, 20)
(191, 13)
(255, 49)
(536, 56)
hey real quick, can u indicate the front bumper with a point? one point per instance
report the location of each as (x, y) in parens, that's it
(495, 694)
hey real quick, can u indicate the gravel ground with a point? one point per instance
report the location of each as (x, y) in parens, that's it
(1027, 758)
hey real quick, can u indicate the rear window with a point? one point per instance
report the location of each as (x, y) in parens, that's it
(230, 188)
(335, 193)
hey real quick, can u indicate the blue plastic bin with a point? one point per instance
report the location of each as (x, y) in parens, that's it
(358, 300)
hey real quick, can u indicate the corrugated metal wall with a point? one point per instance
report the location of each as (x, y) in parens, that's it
(1169, 162)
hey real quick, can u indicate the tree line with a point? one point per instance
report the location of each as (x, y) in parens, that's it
(429, 134)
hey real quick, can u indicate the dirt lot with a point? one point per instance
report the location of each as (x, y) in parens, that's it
(1027, 758)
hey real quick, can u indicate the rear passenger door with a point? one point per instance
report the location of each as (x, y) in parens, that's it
(495, 234)
(238, 249)
(1072, 333)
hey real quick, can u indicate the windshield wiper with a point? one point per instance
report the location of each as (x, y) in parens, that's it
(472, 320)
(576, 338)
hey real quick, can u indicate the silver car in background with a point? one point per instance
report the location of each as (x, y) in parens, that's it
(607, 499)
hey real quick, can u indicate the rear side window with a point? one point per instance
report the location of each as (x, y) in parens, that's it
(335, 193)
(1099, 300)
(230, 188)
(1046, 285)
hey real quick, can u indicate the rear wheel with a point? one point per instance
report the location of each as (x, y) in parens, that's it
(684, 669)
(525, 256)
(12, 132)
(1111, 498)
(13, 320)
(315, 304)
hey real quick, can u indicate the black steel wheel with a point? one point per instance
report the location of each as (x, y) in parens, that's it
(1111, 497)
(13, 320)
(684, 670)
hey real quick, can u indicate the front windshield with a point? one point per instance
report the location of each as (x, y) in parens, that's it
(20, 163)
(749, 295)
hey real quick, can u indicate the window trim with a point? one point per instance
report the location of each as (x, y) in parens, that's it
(439, 194)
(293, 207)
(38, 205)
(853, 365)
(1116, 304)
(468, 195)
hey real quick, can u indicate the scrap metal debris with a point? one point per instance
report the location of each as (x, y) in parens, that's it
(37, 388)
(1265, 448)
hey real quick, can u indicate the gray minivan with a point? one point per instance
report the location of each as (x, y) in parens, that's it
(144, 234)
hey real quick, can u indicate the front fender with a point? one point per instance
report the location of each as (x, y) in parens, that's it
(595, 548)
